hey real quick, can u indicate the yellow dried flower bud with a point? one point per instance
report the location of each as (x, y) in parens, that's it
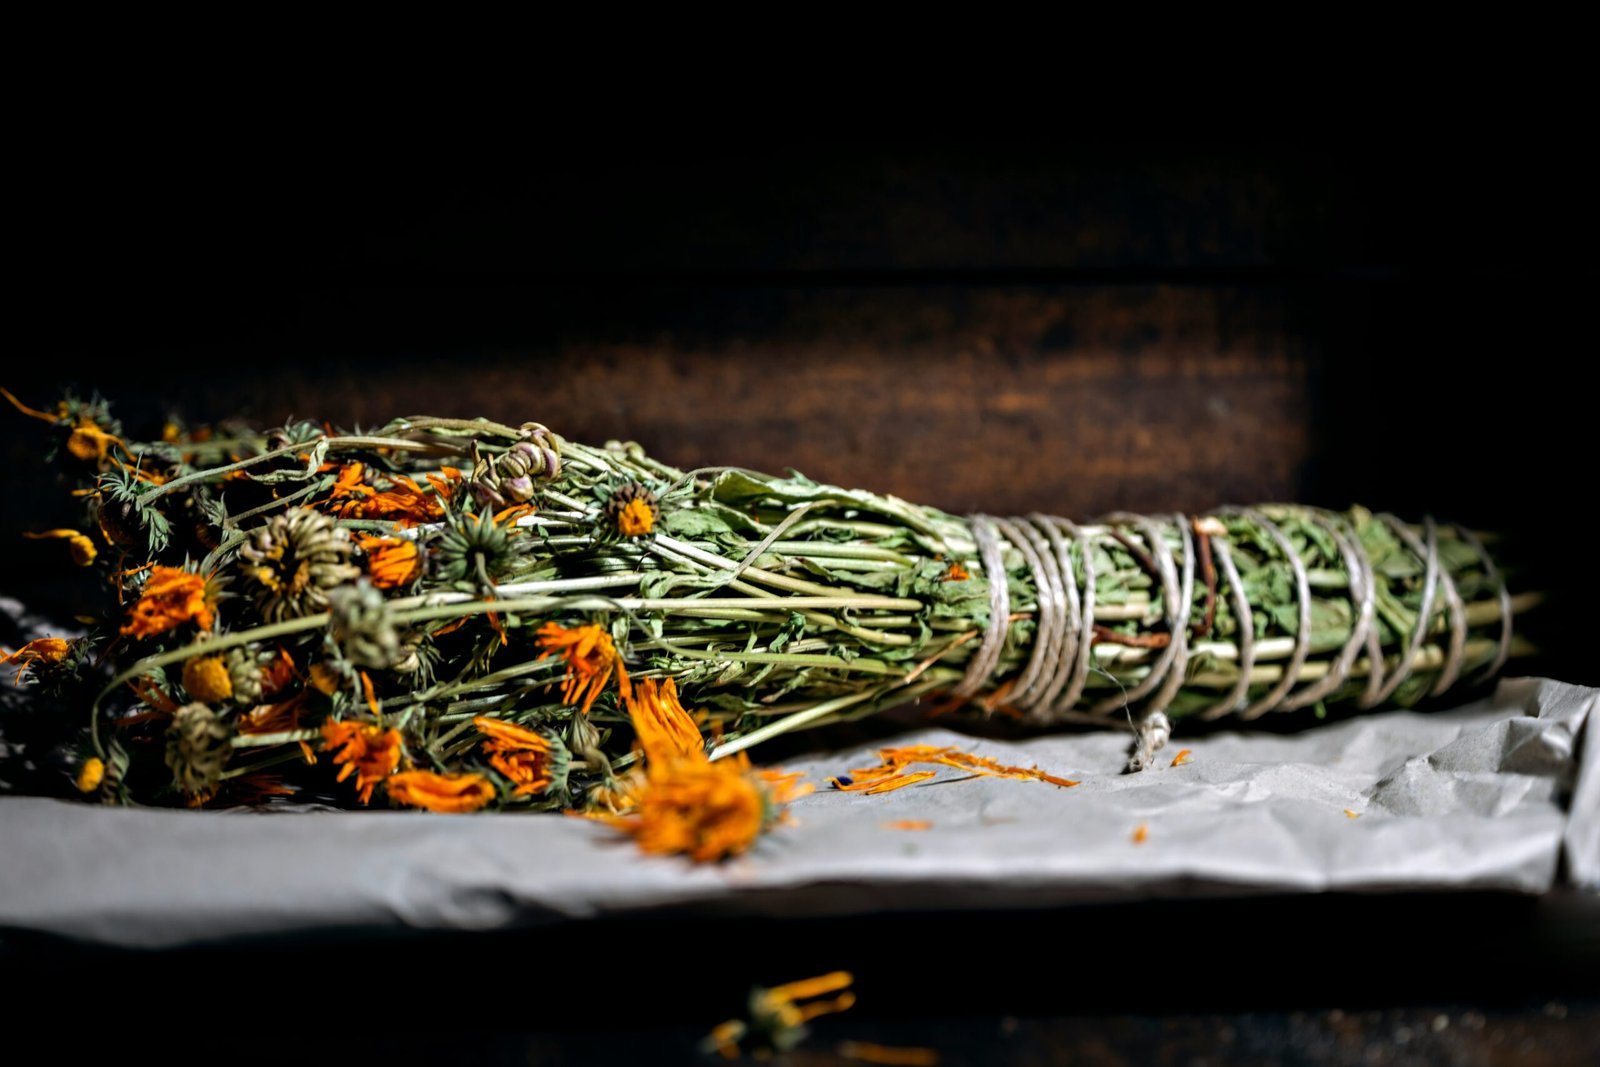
(91, 774)
(207, 679)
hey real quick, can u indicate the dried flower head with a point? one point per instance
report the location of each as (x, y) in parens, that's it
(450, 793)
(170, 598)
(532, 760)
(245, 676)
(361, 625)
(473, 547)
(41, 651)
(392, 562)
(591, 658)
(207, 679)
(369, 752)
(632, 510)
(197, 748)
(403, 501)
(294, 560)
(703, 809)
(509, 477)
(664, 728)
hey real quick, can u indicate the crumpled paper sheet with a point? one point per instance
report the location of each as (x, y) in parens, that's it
(1496, 795)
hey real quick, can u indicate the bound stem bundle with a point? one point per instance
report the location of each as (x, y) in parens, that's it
(459, 614)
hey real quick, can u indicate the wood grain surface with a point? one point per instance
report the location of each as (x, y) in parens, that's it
(979, 325)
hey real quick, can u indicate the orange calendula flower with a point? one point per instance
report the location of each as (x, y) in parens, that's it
(392, 562)
(683, 801)
(636, 519)
(525, 756)
(171, 597)
(39, 650)
(591, 658)
(369, 752)
(450, 793)
(82, 549)
(707, 810)
(404, 501)
(665, 730)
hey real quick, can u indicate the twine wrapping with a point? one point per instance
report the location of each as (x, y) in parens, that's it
(1059, 557)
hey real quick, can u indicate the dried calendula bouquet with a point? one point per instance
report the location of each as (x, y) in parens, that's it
(459, 615)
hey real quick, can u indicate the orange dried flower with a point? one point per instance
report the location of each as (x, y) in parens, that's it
(451, 793)
(955, 572)
(82, 549)
(683, 801)
(636, 519)
(521, 754)
(591, 658)
(39, 650)
(392, 562)
(708, 810)
(404, 501)
(664, 728)
(369, 752)
(171, 597)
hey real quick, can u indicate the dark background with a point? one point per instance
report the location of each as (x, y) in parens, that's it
(1394, 318)
(1390, 318)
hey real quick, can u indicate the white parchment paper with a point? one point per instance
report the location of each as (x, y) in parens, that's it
(1502, 794)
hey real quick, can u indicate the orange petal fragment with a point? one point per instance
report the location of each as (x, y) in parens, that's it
(889, 1055)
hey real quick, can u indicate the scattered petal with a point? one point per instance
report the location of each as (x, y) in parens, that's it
(891, 1056)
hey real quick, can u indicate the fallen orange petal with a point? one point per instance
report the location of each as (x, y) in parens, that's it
(870, 1052)
(1141, 833)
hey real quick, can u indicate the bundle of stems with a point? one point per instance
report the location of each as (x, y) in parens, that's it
(460, 614)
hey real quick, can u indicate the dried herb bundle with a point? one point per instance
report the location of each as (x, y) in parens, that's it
(460, 615)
